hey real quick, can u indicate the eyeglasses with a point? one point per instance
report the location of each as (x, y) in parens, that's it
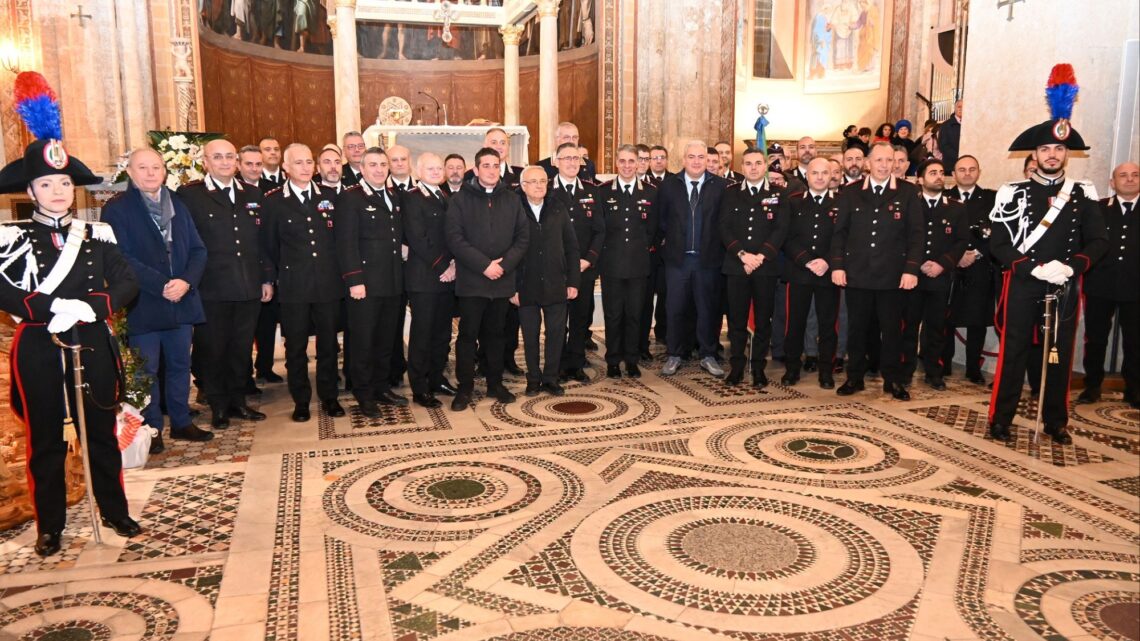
(569, 158)
(221, 157)
(536, 181)
(359, 146)
(658, 157)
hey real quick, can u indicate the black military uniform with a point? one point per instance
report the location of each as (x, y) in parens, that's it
(432, 301)
(750, 222)
(630, 219)
(369, 231)
(654, 316)
(811, 220)
(229, 221)
(300, 256)
(550, 266)
(510, 177)
(38, 287)
(972, 298)
(581, 199)
(1112, 285)
(399, 364)
(349, 176)
(877, 238)
(1075, 238)
(946, 236)
(269, 316)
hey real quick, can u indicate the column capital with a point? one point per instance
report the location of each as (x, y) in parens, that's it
(332, 24)
(512, 34)
(547, 8)
(347, 4)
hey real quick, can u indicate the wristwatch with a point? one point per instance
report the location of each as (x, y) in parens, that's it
(740, 254)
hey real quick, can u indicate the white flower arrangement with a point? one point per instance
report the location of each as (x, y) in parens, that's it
(181, 153)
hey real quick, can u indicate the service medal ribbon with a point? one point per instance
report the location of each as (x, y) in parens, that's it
(253, 205)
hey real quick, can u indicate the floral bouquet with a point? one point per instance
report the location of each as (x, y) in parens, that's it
(181, 153)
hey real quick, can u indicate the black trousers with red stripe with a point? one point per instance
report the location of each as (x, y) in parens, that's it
(798, 299)
(925, 324)
(756, 293)
(864, 308)
(39, 385)
(1021, 317)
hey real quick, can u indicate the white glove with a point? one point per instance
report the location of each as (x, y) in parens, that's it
(1060, 270)
(61, 322)
(78, 309)
(1040, 273)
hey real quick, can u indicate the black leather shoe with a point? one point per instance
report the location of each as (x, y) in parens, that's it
(47, 543)
(849, 387)
(191, 433)
(613, 371)
(125, 527)
(632, 370)
(899, 393)
(369, 409)
(156, 444)
(999, 432)
(332, 408)
(426, 400)
(512, 368)
(1060, 434)
(220, 420)
(395, 383)
(501, 394)
(460, 402)
(759, 379)
(735, 376)
(445, 389)
(554, 388)
(246, 413)
(272, 377)
(252, 390)
(826, 382)
(533, 389)
(976, 378)
(391, 398)
(579, 375)
(935, 383)
(790, 379)
(301, 413)
(810, 363)
(1089, 395)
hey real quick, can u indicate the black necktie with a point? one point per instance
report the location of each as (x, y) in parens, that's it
(303, 196)
(226, 193)
(273, 179)
(819, 200)
(752, 190)
(965, 196)
(1128, 208)
(402, 187)
(694, 195)
(629, 190)
(932, 203)
(438, 195)
(878, 190)
(570, 190)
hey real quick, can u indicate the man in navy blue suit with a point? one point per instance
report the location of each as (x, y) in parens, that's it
(688, 211)
(158, 238)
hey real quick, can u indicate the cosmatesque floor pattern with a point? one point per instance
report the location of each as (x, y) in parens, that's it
(651, 509)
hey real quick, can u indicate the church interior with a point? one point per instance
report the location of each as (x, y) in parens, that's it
(660, 507)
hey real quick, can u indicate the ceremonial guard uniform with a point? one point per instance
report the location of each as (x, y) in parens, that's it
(750, 222)
(972, 298)
(581, 201)
(810, 222)
(945, 239)
(1114, 284)
(228, 221)
(1046, 231)
(300, 257)
(630, 219)
(432, 301)
(63, 277)
(877, 239)
(369, 230)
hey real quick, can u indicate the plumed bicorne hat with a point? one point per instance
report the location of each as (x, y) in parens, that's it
(38, 107)
(1061, 93)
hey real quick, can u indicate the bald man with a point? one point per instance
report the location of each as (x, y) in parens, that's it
(227, 215)
(805, 153)
(1113, 285)
(400, 169)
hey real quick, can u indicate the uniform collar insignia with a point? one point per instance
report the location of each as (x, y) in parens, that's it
(54, 223)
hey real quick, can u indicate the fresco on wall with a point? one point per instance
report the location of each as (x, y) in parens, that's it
(844, 45)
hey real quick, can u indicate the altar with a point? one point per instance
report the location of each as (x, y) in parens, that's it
(444, 140)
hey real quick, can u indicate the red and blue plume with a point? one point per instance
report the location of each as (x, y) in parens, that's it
(1061, 91)
(37, 105)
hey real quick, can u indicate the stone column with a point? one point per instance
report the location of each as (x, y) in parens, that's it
(547, 75)
(511, 35)
(346, 75)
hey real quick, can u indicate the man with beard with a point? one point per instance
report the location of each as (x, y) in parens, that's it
(329, 168)
(853, 161)
(972, 301)
(724, 150)
(454, 166)
(1046, 231)
(945, 240)
(805, 153)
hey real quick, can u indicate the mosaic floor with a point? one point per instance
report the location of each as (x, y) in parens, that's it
(627, 510)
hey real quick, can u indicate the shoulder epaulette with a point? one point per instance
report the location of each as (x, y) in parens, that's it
(103, 232)
(273, 191)
(10, 232)
(350, 188)
(1087, 189)
(796, 194)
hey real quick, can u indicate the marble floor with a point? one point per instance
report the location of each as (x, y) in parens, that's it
(627, 510)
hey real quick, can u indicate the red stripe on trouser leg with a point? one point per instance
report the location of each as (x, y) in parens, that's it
(787, 306)
(1001, 347)
(17, 384)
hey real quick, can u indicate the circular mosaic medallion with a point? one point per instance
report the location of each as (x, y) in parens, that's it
(1119, 414)
(796, 562)
(1086, 603)
(616, 409)
(416, 481)
(819, 449)
(1112, 615)
(70, 631)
